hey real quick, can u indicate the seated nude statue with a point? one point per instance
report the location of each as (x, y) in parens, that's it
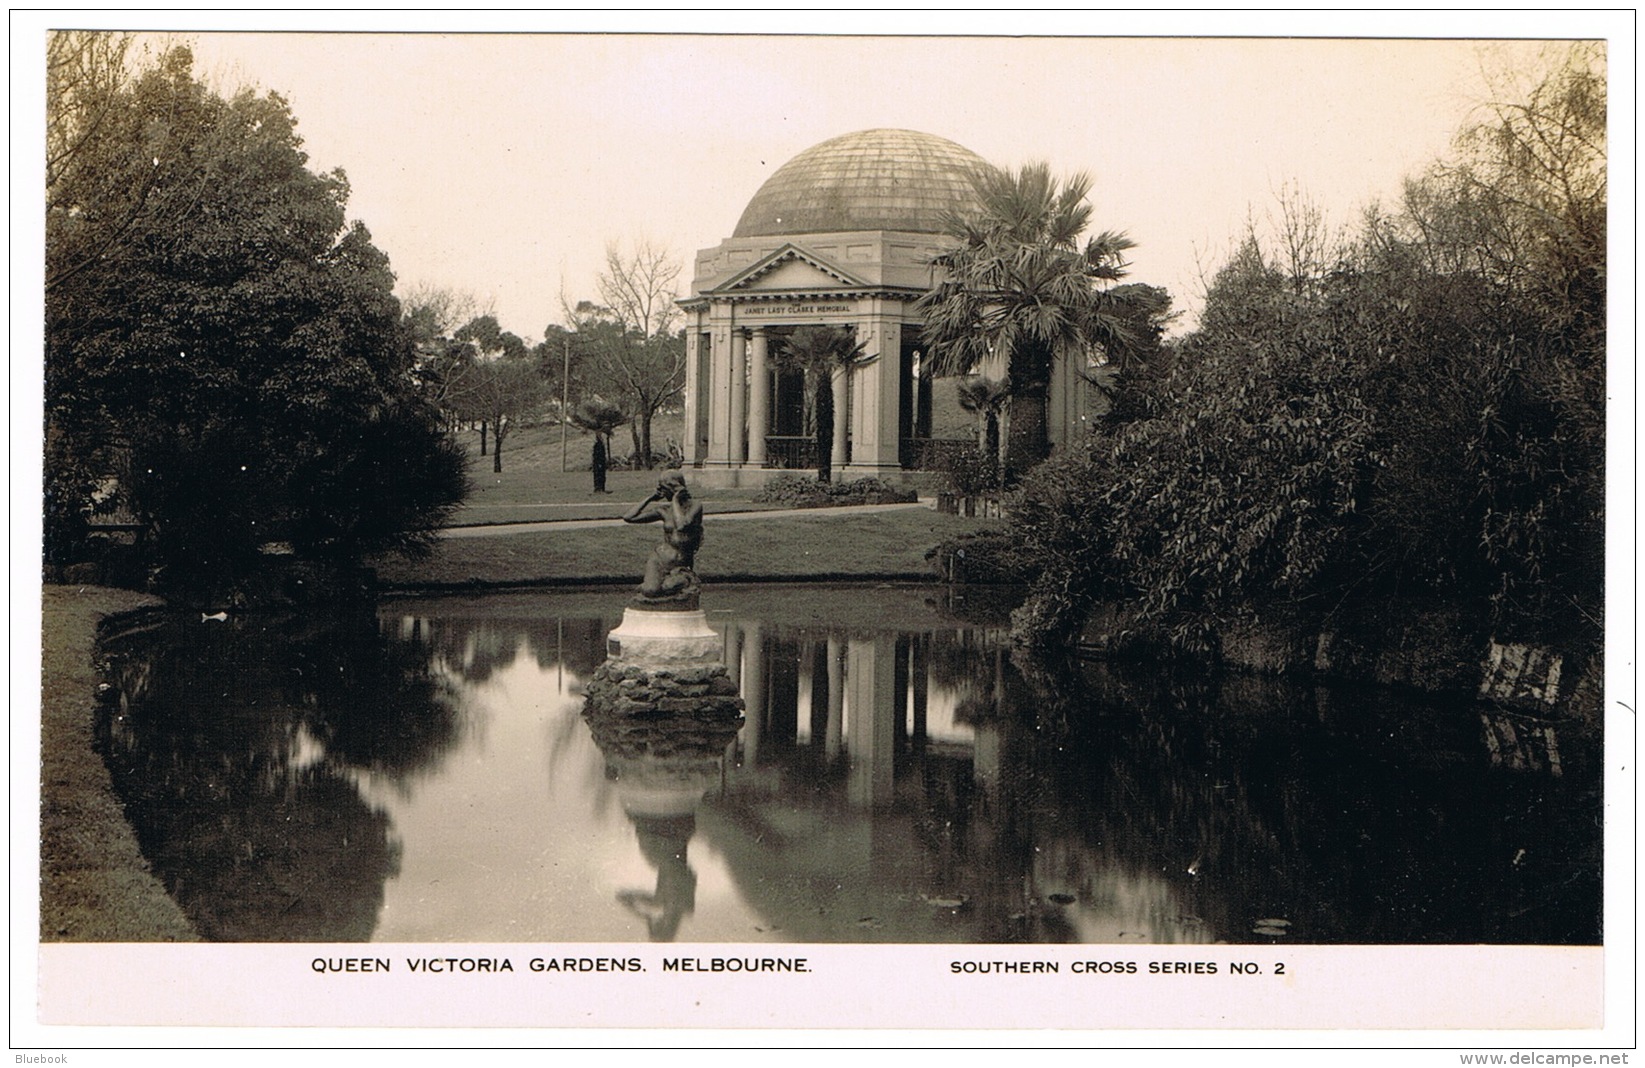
(669, 572)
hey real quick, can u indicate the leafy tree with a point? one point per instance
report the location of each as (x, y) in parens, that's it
(1519, 214)
(557, 360)
(442, 367)
(437, 311)
(479, 392)
(489, 339)
(506, 390)
(222, 343)
(821, 353)
(1019, 283)
(1137, 352)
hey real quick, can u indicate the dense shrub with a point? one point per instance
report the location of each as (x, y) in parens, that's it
(799, 491)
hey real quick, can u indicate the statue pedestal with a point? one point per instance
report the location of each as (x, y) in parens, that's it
(664, 638)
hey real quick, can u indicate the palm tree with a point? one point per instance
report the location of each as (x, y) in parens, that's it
(600, 418)
(1019, 283)
(821, 352)
(987, 399)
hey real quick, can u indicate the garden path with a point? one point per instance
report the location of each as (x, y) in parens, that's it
(494, 530)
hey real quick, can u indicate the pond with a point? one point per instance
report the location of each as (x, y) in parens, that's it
(426, 773)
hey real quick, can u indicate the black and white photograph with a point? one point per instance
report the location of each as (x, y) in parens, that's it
(580, 529)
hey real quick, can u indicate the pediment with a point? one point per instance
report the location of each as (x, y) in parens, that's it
(788, 269)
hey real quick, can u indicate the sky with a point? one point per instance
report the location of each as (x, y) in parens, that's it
(502, 165)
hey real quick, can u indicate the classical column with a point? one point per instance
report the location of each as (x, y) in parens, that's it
(689, 443)
(718, 397)
(876, 442)
(842, 413)
(759, 422)
(739, 392)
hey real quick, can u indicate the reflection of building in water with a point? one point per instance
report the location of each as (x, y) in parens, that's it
(849, 813)
(891, 786)
(867, 706)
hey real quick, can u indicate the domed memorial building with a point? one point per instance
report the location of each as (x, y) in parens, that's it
(841, 235)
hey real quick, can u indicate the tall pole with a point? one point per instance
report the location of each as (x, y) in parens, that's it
(565, 398)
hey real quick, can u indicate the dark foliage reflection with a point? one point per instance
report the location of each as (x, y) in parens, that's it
(235, 748)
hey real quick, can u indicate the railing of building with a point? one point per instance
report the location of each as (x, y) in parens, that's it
(794, 453)
(916, 454)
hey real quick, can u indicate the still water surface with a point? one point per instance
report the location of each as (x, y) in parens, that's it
(426, 774)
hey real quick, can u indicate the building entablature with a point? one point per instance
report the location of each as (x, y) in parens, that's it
(791, 306)
(828, 261)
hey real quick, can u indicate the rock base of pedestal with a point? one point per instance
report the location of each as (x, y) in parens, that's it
(684, 705)
(664, 638)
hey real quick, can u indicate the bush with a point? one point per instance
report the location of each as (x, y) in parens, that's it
(973, 472)
(799, 491)
(987, 558)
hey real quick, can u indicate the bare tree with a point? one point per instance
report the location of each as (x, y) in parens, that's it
(629, 336)
(639, 288)
(84, 72)
(434, 311)
(1307, 246)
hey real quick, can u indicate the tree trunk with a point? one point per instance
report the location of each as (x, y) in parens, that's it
(497, 449)
(1027, 443)
(645, 439)
(634, 432)
(482, 437)
(1027, 440)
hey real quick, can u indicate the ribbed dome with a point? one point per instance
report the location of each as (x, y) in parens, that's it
(869, 180)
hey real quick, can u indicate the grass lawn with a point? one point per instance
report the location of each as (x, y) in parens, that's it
(533, 487)
(813, 545)
(95, 885)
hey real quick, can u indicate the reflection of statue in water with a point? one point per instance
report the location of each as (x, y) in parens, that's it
(670, 574)
(663, 842)
(664, 736)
